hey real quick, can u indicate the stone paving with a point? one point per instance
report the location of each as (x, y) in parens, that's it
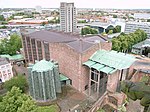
(134, 106)
(70, 100)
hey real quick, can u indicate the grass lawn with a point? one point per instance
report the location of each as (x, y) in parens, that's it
(51, 108)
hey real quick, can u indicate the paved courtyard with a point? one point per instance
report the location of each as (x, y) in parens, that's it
(69, 99)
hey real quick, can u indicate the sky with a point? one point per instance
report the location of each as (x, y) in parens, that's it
(117, 4)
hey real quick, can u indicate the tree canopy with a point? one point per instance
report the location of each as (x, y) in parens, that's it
(88, 30)
(148, 20)
(10, 46)
(54, 21)
(82, 21)
(124, 42)
(15, 101)
(18, 81)
(113, 29)
(2, 18)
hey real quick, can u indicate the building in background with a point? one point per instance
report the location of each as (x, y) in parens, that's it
(142, 48)
(6, 72)
(44, 81)
(38, 9)
(133, 26)
(68, 17)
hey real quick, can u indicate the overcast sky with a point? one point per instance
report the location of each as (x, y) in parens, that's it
(127, 4)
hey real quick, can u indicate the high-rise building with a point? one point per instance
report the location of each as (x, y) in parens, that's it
(68, 17)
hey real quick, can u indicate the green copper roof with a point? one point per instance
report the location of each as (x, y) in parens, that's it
(63, 78)
(113, 59)
(43, 65)
(97, 66)
(89, 63)
(106, 70)
(109, 61)
(14, 57)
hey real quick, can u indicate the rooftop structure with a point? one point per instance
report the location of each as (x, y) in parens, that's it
(14, 57)
(110, 61)
(139, 48)
(44, 81)
(28, 21)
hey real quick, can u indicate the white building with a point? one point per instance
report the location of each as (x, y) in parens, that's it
(68, 17)
(133, 26)
(6, 72)
(38, 9)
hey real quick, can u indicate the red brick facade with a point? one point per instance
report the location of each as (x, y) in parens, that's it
(69, 60)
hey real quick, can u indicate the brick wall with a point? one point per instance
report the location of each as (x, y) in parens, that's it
(113, 81)
(68, 61)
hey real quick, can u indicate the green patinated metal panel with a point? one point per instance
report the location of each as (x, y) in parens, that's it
(106, 70)
(113, 71)
(97, 66)
(112, 59)
(14, 57)
(63, 78)
(44, 81)
(57, 79)
(89, 63)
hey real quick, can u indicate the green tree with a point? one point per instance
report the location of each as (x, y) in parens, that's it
(18, 81)
(88, 30)
(28, 106)
(2, 18)
(110, 32)
(4, 23)
(124, 42)
(15, 101)
(148, 20)
(124, 18)
(3, 27)
(109, 28)
(10, 46)
(114, 16)
(43, 23)
(82, 21)
(117, 29)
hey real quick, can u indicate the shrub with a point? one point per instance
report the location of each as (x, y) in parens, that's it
(18, 81)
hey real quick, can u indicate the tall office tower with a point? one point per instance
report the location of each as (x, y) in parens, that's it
(68, 17)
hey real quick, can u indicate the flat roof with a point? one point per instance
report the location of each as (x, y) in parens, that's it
(3, 61)
(74, 41)
(145, 43)
(51, 36)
